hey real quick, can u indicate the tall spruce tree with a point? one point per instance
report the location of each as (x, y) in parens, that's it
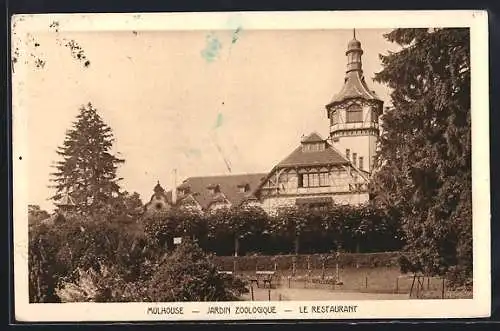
(424, 161)
(87, 170)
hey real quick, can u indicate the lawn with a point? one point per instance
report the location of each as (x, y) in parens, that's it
(368, 283)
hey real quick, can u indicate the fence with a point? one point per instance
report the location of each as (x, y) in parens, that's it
(296, 264)
(416, 287)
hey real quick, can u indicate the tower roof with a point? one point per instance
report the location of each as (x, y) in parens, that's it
(66, 201)
(355, 86)
(158, 189)
(354, 45)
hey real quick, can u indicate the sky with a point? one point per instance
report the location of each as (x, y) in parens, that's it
(172, 97)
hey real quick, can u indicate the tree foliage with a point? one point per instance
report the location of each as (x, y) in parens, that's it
(244, 230)
(188, 275)
(36, 214)
(424, 163)
(88, 168)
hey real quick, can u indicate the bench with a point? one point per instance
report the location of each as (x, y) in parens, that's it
(264, 276)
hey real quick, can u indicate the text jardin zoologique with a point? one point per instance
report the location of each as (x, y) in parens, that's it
(249, 310)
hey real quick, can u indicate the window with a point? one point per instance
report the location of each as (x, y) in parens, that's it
(374, 116)
(323, 179)
(354, 113)
(354, 158)
(318, 206)
(315, 179)
(313, 147)
(348, 154)
(361, 162)
(334, 117)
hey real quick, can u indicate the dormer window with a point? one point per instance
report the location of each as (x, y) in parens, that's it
(313, 147)
(183, 190)
(243, 188)
(213, 188)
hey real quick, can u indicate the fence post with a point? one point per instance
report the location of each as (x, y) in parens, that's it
(442, 290)
(269, 293)
(428, 283)
(366, 281)
(397, 284)
(251, 291)
(412, 284)
(289, 279)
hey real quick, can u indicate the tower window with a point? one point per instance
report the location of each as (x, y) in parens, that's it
(361, 162)
(354, 158)
(354, 113)
(374, 116)
(334, 117)
(348, 154)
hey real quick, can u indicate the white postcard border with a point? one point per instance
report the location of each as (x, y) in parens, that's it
(479, 306)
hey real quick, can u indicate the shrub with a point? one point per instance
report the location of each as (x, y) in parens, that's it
(188, 275)
(101, 285)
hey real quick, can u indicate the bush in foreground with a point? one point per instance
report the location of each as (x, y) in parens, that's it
(188, 275)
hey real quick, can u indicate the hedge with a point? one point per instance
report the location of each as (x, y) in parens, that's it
(285, 262)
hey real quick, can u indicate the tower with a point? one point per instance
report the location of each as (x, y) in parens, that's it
(66, 205)
(354, 113)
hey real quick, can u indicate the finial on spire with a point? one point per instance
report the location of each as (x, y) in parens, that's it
(354, 32)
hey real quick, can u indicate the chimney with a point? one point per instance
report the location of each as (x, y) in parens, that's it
(174, 189)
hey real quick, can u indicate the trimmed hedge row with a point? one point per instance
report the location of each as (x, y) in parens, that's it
(285, 262)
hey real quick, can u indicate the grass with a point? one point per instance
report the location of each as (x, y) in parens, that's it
(382, 281)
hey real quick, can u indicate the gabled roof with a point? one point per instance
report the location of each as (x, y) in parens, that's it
(228, 185)
(312, 138)
(299, 157)
(66, 200)
(354, 87)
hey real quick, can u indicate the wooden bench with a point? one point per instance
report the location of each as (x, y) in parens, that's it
(265, 277)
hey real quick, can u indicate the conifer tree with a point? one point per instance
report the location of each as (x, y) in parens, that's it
(424, 162)
(87, 170)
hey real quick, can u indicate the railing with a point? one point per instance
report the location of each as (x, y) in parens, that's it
(353, 126)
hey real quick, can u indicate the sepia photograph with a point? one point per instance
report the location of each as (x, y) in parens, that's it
(225, 166)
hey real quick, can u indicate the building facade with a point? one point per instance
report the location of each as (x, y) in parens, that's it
(318, 173)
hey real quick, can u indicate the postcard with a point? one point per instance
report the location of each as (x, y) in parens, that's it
(250, 166)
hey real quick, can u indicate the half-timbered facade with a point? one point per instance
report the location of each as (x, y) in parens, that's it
(319, 172)
(314, 175)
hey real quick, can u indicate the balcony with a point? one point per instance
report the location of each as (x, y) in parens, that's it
(353, 126)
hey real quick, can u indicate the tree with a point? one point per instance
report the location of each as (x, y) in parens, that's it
(236, 223)
(424, 162)
(88, 169)
(291, 222)
(36, 214)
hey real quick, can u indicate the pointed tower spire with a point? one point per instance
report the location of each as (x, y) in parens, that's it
(354, 33)
(353, 53)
